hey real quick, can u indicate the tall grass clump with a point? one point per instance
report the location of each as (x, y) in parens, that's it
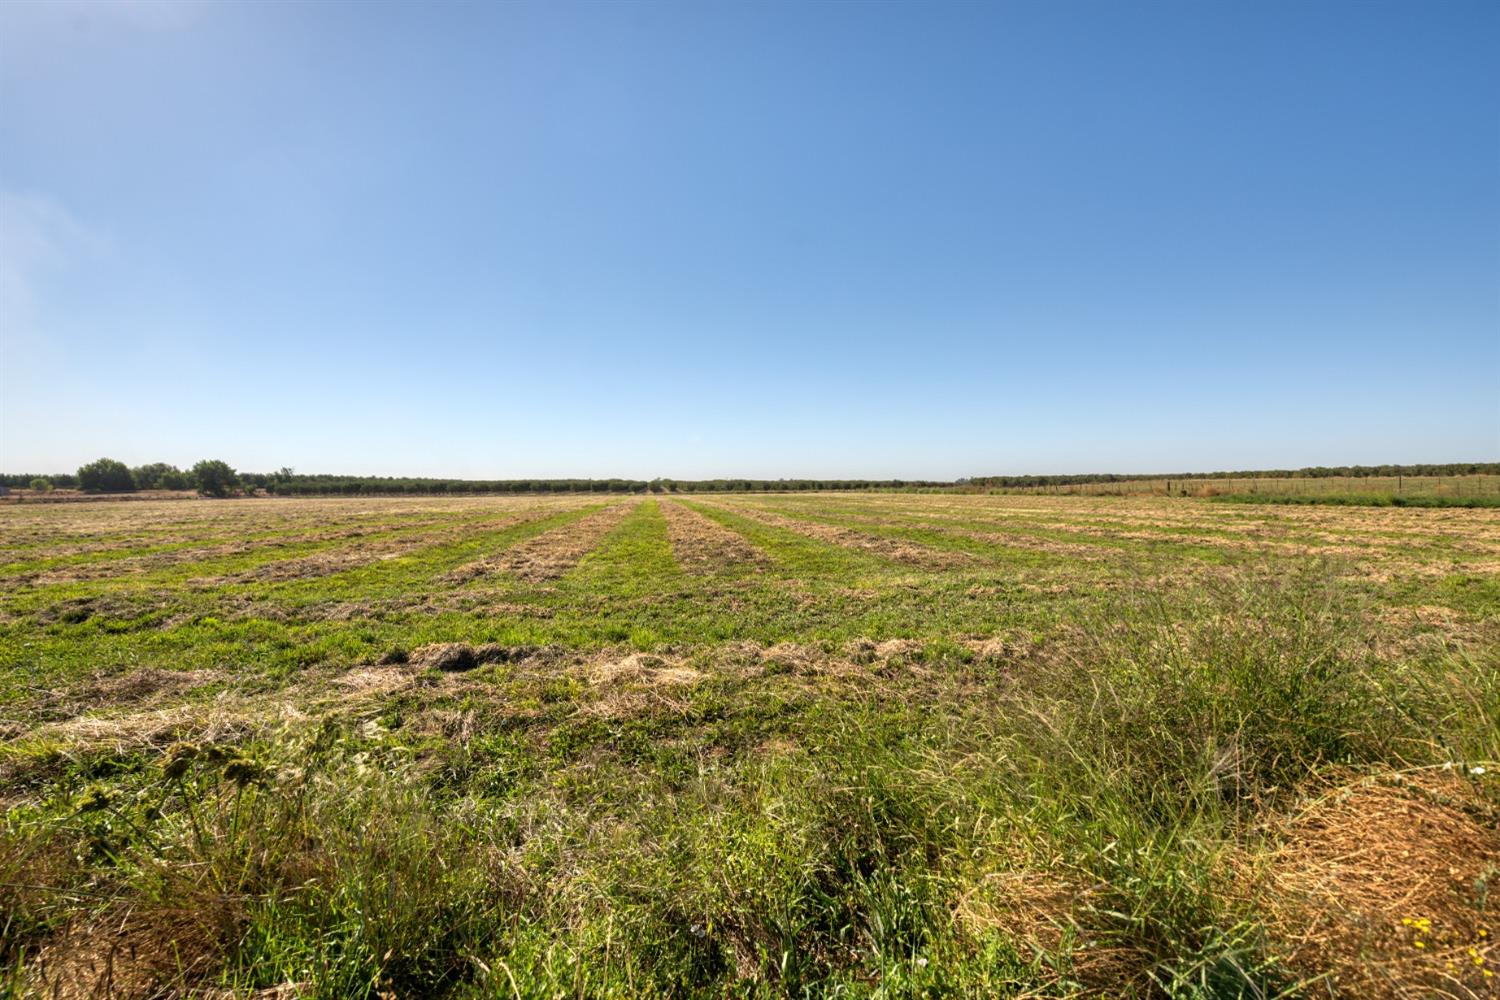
(1226, 694)
(1150, 746)
(298, 860)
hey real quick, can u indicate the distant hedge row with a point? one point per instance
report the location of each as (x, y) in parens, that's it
(217, 478)
(375, 485)
(1313, 472)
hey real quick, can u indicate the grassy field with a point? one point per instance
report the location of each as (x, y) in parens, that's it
(810, 745)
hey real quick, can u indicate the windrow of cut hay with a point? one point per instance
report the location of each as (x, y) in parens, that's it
(702, 545)
(1380, 547)
(332, 549)
(892, 549)
(552, 553)
(1027, 537)
(390, 545)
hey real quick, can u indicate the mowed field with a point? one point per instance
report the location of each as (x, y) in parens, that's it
(854, 745)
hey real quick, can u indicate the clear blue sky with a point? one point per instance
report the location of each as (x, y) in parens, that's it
(706, 239)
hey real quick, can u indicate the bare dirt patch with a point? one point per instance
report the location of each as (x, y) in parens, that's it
(77, 610)
(459, 656)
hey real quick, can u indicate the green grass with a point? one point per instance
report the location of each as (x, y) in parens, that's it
(1027, 773)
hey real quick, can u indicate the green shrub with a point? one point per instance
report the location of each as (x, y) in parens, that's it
(106, 475)
(214, 478)
(160, 476)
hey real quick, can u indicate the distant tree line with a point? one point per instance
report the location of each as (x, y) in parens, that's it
(334, 485)
(210, 477)
(326, 485)
(216, 478)
(213, 477)
(39, 481)
(1313, 472)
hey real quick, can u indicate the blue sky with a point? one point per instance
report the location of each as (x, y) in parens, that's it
(713, 239)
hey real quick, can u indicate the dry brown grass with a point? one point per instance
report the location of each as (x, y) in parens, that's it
(230, 717)
(229, 528)
(627, 685)
(1387, 889)
(1046, 914)
(550, 554)
(701, 545)
(896, 550)
(1384, 529)
(126, 954)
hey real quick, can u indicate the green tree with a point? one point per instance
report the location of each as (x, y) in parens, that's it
(105, 476)
(214, 478)
(41, 484)
(159, 476)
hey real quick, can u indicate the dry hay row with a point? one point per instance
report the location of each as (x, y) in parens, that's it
(161, 560)
(923, 555)
(1380, 885)
(266, 526)
(1341, 524)
(1017, 539)
(205, 533)
(703, 545)
(893, 549)
(1384, 529)
(319, 563)
(550, 554)
(985, 523)
(1252, 537)
(151, 707)
(333, 561)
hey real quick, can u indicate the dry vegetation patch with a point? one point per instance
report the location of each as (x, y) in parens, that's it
(894, 549)
(628, 685)
(1046, 914)
(228, 718)
(1389, 889)
(550, 554)
(129, 955)
(702, 545)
